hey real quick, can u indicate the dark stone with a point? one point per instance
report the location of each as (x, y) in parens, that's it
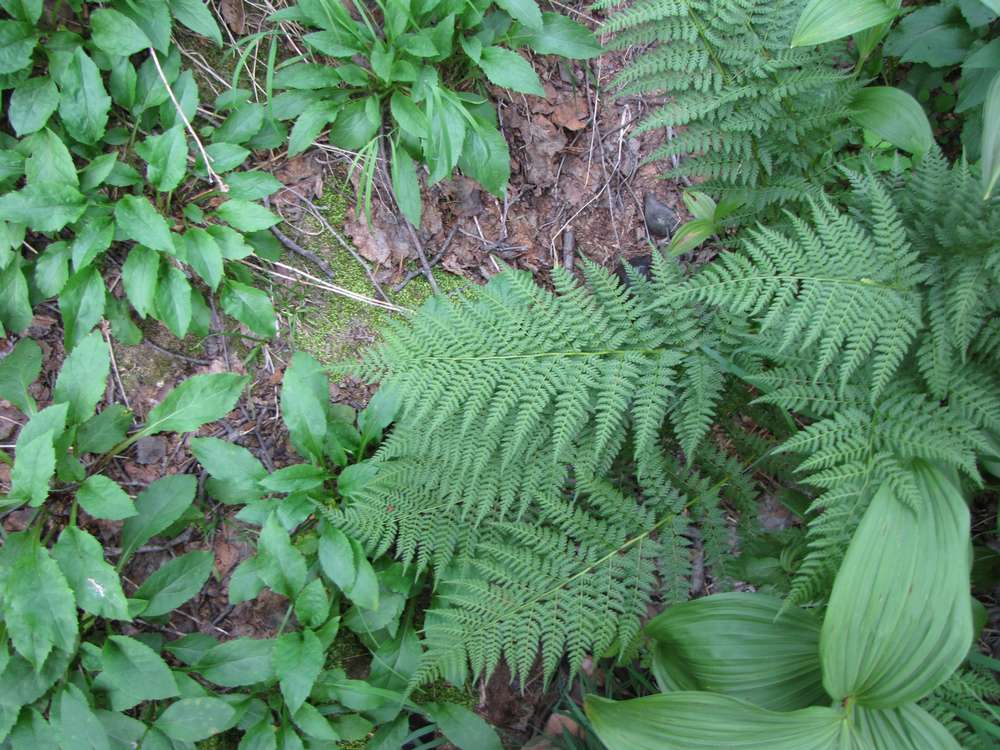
(150, 450)
(661, 219)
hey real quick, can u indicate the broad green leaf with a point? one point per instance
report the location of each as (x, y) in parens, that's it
(249, 305)
(295, 478)
(83, 103)
(157, 507)
(741, 645)
(84, 377)
(353, 128)
(381, 411)
(15, 303)
(241, 661)
(94, 582)
(32, 730)
(396, 661)
(78, 727)
(116, 34)
(298, 661)
(32, 104)
(408, 115)
(43, 206)
(314, 724)
(103, 432)
(197, 401)
(445, 139)
(252, 185)
(135, 672)
(510, 70)
(138, 220)
(153, 17)
(281, 566)
(204, 255)
(37, 603)
(990, 149)
(196, 16)
(175, 582)
(17, 42)
(686, 720)
(825, 20)
(194, 719)
(165, 155)
(525, 11)
(344, 562)
(242, 124)
(486, 158)
(895, 116)
(246, 216)
(906, 728)
(304, 396)
(690, 235)
(405, 185)
(18, 370)
(94, 233)
(192, 647)
(124, 732)
(50, 160)
(933, 34)
(390, 736)
(332, 43)
(225, 157)
(464, 729)
(23, 10)
(82, 304)
(34, 467)
(50, 419)
(233, 466)
(139, 276)
(312, 605)
(903, 590)
(560, 35)
(102, 498)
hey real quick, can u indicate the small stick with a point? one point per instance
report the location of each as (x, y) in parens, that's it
(296, 248)
(411, 275)
(569, 249)
(184, 357)
(423, 258)
(212, 174)
(114, 364)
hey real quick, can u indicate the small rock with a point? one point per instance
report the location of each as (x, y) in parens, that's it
(558, 724)
(150, 450)
(661, 219)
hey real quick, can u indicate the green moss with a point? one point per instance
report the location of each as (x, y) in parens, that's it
(332, 327)
(445, 692)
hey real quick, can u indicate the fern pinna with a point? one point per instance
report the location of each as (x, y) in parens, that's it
(755, 115)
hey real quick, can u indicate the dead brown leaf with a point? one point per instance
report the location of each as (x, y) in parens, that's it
(234, 13)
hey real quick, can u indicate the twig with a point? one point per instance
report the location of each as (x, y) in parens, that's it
(212, 174)
(411, 275)
(423, 258)
(569, 249)
(296, 248)
(184, 357)
(114, 365)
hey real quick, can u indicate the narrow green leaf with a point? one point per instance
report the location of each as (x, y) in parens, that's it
(157, 507)
(102, 498)
(486, 158)
(34, 467)
(825, 20)
(304, 396)
(94, 582)
(990, 149)
(405, 185)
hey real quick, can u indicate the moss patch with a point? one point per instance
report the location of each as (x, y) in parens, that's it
(331, 327)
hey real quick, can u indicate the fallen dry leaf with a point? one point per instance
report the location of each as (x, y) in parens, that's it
(234, 13)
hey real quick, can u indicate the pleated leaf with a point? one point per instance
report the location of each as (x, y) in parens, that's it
(899, 620)
(738, 644)
(825, 20)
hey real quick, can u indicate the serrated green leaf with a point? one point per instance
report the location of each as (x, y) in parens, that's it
(43, 206)
(81, 304)
(83, 102)
(138, 220)
(934, 34)
(116, 34)
(103, 432)
(135, 672)
(50, 160)
(157, 507)
(165, 155)
(197, 401)
(23, 10)
(312, 605)
(250, 306)
(903, 589)
(510, 70)
(525, 11)
(173, 300)
(204, 255)
(281, 566)
(241, 661)
(309, 125)
(560, 35)
(242, 124)
(175, 582)
(101, 497)
(83, 377)
(486, 159)
(34, 467)
(252, 185)
(78, 726)
(18, 370)
(298, 661)
(194, 719)
(32, 104)
(15, 303)
(37, 604)
(32, 730)
(314, 724)
(17, 42)
(246, 216)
